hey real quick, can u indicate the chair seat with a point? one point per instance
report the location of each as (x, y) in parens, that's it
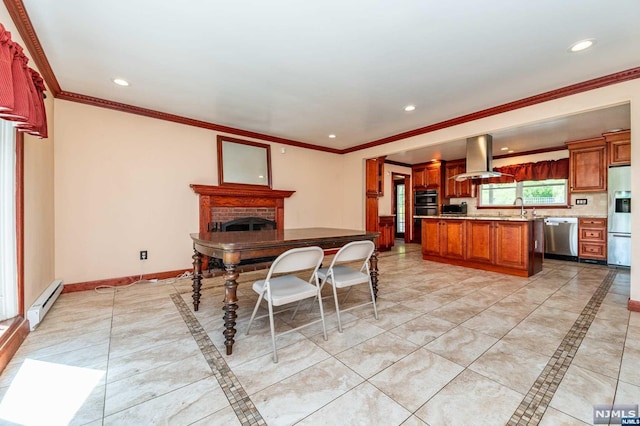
(286, 289)
(343, 276)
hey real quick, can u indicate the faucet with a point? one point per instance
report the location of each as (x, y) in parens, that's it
(523, 213)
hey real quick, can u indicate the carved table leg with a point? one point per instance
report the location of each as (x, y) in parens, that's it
(230, 305)
(197, 278)
(373, 263)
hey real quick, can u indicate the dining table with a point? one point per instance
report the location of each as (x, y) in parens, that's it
(235, 246)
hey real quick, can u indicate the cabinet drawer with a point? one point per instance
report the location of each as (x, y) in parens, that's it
(593, 234)
(592, 222)
(592, 250)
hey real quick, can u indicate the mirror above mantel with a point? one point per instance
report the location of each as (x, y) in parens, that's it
(243, 163)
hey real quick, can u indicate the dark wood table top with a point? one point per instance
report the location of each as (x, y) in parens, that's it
(273, 242)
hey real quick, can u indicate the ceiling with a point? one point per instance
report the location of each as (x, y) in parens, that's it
(304, 70)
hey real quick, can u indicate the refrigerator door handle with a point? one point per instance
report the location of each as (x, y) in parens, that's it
(621, 235)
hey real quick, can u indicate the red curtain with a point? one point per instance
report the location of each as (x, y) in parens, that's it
(21, 89)
(542, 170)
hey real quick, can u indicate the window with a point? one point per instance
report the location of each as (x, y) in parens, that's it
(549, 192)
(8, 252)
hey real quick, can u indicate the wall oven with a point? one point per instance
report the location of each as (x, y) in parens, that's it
(426, 198)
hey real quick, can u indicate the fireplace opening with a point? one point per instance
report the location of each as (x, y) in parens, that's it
(243, 224)
(247, 224)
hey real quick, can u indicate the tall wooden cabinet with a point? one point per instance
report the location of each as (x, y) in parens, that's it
(588, 165)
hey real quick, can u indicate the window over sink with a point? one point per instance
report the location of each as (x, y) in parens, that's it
(548, 192)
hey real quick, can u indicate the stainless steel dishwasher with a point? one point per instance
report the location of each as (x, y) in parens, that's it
(561, 238)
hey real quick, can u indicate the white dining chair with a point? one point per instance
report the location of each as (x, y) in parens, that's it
(341, 276)
(280, 287)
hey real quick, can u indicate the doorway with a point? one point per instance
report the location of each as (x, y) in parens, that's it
(401, 205)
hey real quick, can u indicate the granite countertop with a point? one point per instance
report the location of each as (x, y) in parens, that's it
(517, 218)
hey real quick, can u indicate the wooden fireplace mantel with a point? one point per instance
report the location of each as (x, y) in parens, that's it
(212, 196)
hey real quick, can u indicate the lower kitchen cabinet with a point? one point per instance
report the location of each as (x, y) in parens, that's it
(510, 247)
(443, 238)
(387, 229)
(592, 239)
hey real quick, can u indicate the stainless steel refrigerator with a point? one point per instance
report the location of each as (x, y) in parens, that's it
(619, 241)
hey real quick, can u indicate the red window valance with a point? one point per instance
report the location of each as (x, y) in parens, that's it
(21, 89)
(542, 170)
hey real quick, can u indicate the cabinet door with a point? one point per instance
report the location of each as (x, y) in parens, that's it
(452, 242)
(480, 241)
(450, 185)
(431, 237)
(419, 178)
(372, 176)
(588, 169)
(512, 244)
(433, 176)
(619, 148)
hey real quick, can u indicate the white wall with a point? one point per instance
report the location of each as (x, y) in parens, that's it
(385, 203)
(122, 185)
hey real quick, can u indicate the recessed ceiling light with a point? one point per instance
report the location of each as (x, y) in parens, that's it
(434, 159)
(582, 45)
(120, 82)
(332, 136)
(510, 151)
(410, 108)
(504, 148)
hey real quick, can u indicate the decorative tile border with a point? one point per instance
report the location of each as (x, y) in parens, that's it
(535, 403)
(242, 405)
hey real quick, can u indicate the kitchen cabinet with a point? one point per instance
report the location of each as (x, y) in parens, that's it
(427, 176)
(386, 227)
(375, 176)
(512, 247)
(619, 144)
(452, 188)
(588, 165)
(443, 237)
(592, 239)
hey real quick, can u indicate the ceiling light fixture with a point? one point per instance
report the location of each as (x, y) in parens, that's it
(332, 136)
(120, 82)
(510, 151)
(410, 108)
(582, 45)
(504, 148)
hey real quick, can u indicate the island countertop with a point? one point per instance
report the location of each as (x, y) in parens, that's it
(517, 218)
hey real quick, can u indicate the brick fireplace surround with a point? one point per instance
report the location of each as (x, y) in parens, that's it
(222, 204)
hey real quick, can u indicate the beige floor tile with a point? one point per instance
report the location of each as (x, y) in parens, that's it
(580, 390)
(535, 337)
(414, 421)
(491, 323)
(393, 316)
(511, 366)
(362, 405)
(352, 334)
(591, 353)
(629, 371)
(226, 417)
(423, 329)
(376, 354)
(181, 406)
(311, 389)
(414, 379)
(553, 417)
(470, 399)
(461, 345)
(457, 311)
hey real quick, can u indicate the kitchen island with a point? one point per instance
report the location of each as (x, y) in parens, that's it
(511, 245)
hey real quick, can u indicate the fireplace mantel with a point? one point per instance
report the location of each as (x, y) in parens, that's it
(221, 196)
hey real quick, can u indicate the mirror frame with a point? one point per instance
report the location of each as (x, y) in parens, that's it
(263, 152)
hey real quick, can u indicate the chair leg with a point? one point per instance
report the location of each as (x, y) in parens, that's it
(373, 300)
(295, 311)
(347, 295)
(253, 315)
(324, 327)
(273, 333)
(335, 298)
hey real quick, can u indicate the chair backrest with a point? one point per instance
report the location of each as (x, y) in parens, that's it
(297, 259)
(356, 250)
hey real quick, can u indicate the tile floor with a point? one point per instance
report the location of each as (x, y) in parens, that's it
(451, 346)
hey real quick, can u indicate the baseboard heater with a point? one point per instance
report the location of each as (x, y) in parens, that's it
(41, 306)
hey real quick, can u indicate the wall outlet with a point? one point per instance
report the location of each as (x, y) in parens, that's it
(581, 201)
(143, 255)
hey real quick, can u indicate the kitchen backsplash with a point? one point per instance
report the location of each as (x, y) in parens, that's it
(596, 206)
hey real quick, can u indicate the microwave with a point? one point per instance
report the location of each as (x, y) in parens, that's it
(455, 209)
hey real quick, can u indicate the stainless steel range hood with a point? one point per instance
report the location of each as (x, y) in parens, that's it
(479, 159)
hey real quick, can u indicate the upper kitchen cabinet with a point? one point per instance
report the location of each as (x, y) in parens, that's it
(588, 165)
(427, 176)
(375, 176)
(619, 144)
(452, 188)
